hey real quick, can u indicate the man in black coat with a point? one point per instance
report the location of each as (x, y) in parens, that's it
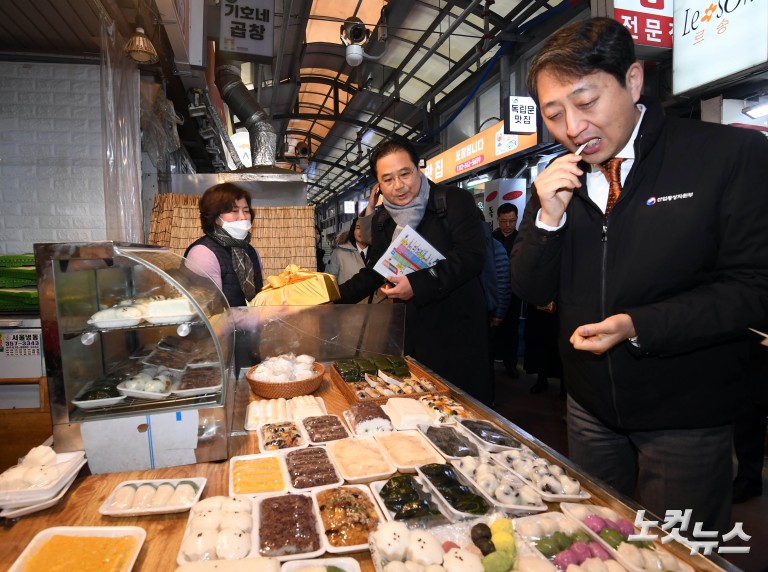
(650, 235)
(446, 316)
(506, 336)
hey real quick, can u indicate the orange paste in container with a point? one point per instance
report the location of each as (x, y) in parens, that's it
(82, 553)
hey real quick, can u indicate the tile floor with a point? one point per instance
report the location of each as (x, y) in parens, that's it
(543, 415)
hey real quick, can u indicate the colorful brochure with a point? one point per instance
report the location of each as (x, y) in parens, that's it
(408, 252)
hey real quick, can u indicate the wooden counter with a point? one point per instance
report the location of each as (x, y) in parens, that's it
(80, 505)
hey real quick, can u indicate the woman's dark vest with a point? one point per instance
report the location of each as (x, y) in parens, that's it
(230, 284)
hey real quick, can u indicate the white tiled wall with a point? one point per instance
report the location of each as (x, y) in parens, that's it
(51, 181)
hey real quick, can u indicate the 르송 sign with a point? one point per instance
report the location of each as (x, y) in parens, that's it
(717, 39)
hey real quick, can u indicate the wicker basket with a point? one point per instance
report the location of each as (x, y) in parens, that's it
(286, 389)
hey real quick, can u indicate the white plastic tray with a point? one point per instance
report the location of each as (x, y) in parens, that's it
(272, 454)
(68, 464)
(436, 414)
(346, 563)
(107, 510)
(414, 441)
(196, 391)
(36, 507)
(505, 507)
(303, 441)
(567, 509)
(453, 513)
(175, 319)
(180, 559)
(472, 447)
(253, 420)
(401, 424)
(151, 395)
(351, 426)
(109, 324)
(347, 432)
(355, 473)
(301, 555)
(482, 443)
(96, 403)
(425, 493)
(92, 531)
(547, 496)
(458, 533)
(339, 480)
(352, 547)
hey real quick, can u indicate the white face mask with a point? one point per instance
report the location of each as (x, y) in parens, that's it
(237, 229)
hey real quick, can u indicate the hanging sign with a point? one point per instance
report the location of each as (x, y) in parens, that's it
(522, 115)
(715, 40)
(246, 30)
(481, 150)
(649, 21)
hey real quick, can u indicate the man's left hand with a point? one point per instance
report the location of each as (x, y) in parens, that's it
(400, 288)
(599, 338)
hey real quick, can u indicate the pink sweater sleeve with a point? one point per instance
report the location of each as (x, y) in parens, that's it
(202, 258)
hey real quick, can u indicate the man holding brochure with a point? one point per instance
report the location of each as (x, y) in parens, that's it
(446, 319)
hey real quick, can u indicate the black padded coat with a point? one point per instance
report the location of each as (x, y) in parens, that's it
(446, 324)
(684, 252)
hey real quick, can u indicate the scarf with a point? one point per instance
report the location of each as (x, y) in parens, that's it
(240, 260)
(412, 213)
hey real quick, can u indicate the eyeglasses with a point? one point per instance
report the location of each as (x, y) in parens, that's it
(388, 181)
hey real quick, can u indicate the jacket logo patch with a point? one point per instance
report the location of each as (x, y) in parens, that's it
(653, 200)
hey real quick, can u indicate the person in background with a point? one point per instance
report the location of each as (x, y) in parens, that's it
(652, 240)
(225, 252)
(507, 338)
(446, 323)
(350, 255)
(749, 431)
(498, 309)
(319, 251)
(541, 355)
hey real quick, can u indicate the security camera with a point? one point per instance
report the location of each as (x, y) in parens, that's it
(302, 149)
(354, 55)
(355, 31)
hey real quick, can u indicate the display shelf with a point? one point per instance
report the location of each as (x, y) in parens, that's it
(170, 303)
(80, 332)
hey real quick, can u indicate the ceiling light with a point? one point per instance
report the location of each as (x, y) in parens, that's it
(139, 47)
(477, 181)
(758, 109)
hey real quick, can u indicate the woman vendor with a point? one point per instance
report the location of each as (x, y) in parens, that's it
(225, 252)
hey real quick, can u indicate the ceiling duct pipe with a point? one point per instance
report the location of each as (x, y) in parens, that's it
(246, 107)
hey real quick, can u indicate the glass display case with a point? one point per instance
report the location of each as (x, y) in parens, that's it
(134, 339)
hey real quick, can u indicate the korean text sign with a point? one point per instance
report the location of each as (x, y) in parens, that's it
(247, 28)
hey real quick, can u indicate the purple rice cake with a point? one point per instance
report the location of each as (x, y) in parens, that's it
(310, 468)
(199, 377)
(288, 525)
(367, 418)
(325, 428)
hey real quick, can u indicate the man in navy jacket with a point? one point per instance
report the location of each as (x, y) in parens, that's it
(655, 295)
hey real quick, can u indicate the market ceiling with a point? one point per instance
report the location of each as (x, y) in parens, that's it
(423, 57)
